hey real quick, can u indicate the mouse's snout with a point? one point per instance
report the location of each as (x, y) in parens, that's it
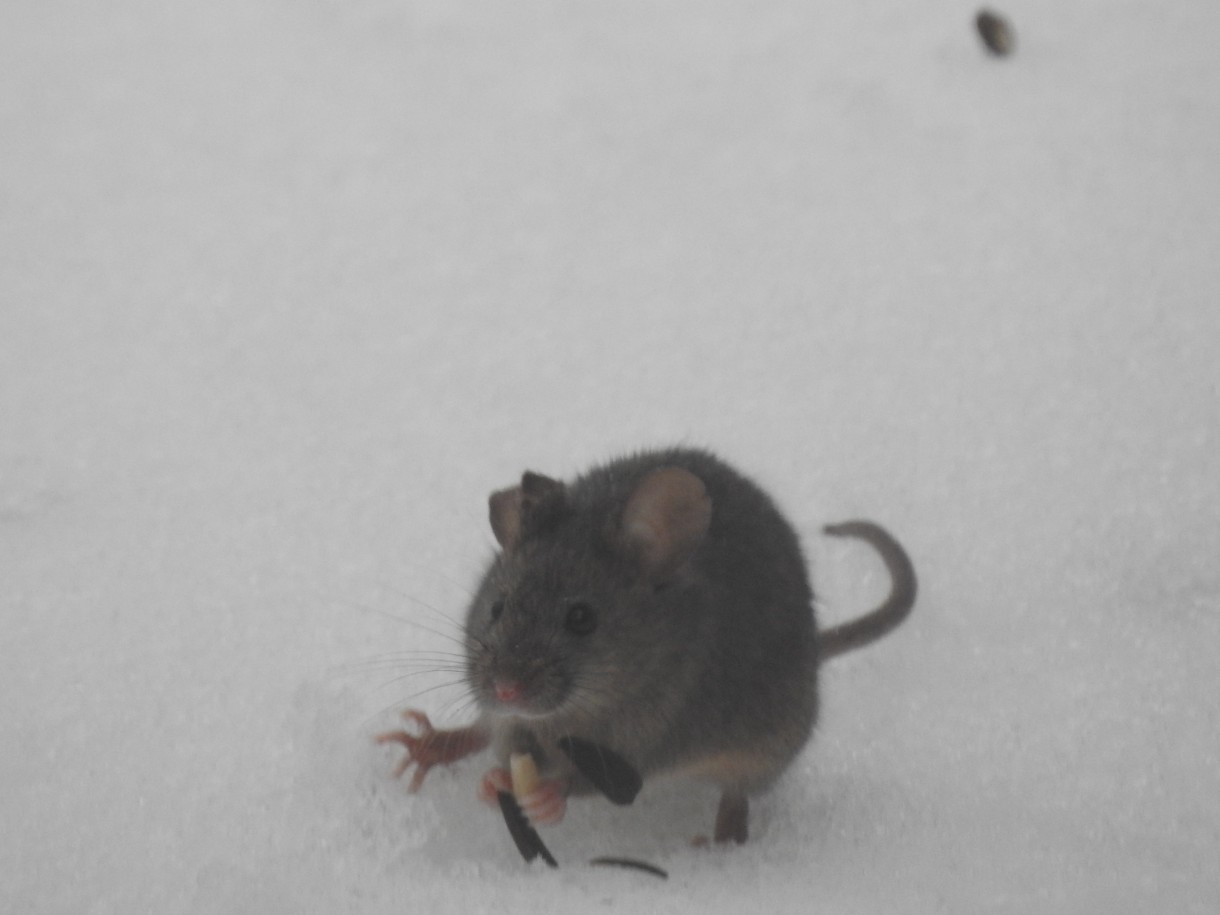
(507, 691)
(523, 684)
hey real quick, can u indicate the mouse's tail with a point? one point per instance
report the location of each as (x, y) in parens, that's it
(872, 626)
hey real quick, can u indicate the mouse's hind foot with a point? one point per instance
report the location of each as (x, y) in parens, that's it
(732, 817)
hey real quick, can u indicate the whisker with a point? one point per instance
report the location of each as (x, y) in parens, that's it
(406, 678)
(423, 604)
(461, 706)
(430, 689)
(462, 586)
(449, 636)
(400, 705)
(412, 658)
(360, 670)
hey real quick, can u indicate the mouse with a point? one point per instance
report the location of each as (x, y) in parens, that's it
(658, 605)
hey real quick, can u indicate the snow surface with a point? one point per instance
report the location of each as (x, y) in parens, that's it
(289, 287)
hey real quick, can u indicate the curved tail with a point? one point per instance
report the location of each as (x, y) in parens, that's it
(872, 626)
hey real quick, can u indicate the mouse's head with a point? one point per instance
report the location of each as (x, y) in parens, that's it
(582, 592)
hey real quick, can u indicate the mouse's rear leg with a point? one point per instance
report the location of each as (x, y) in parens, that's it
(429, 747)
(732, 817)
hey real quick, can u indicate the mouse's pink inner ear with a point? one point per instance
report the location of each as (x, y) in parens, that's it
(666, 518)
(504, 509)
(523, 508)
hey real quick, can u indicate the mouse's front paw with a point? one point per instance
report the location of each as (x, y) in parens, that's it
(494, 783)
(428, 747)
(547, 803)
(544, 804)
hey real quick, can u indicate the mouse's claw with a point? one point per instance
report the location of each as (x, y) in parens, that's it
(428, 747)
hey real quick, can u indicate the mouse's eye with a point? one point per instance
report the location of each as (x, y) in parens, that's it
(496, 609)
(581, 619)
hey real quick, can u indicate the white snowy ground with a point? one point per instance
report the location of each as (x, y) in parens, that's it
(289, 287)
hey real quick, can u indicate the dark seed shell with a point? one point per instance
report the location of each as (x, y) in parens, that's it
(609, 773)
(632, 864)
(526, 838)
(996, 33)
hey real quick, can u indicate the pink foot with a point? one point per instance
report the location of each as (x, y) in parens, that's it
(544, 806)
(430, 747)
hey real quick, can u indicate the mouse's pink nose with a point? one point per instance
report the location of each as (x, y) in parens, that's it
(508, 691)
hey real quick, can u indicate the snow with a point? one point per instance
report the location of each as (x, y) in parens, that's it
(288, 288)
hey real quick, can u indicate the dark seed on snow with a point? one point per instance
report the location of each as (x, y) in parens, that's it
(996, 33)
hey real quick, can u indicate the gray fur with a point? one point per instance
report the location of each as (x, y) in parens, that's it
(719, 661)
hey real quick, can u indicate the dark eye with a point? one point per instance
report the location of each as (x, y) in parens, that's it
(496, 609)
(581, 619)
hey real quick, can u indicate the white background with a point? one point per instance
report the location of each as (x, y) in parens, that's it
(287, 288)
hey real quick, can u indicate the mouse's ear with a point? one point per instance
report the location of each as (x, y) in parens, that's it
(512, 510)
(666, 518)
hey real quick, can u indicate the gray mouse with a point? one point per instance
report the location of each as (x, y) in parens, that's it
(658, 606)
